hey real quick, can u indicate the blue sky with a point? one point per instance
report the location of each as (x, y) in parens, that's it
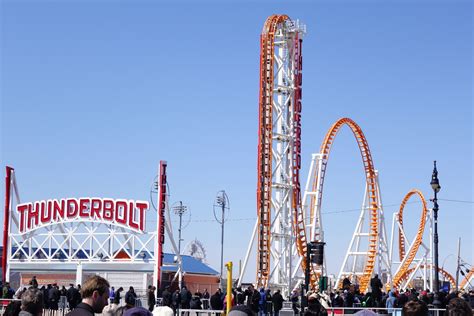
(94, 94)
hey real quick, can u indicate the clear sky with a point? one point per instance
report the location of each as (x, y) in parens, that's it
(95, 93)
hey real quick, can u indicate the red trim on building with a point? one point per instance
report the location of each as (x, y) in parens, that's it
(6, 221)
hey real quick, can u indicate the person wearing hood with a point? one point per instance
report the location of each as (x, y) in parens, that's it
(262, 303)
(391, 302)
(32, 303)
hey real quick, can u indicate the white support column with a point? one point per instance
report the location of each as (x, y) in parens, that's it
(79, 274)
(247, 255)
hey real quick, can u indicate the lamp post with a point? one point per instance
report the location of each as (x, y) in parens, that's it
(180, 209)
(222, 202)
(436, 187)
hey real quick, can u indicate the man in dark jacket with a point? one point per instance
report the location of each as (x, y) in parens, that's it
(151, 297)
(167, 298)
(376, 286)
(53, 297)
(185, 297)
(195, 302)
(130, 297)
(277, 300)
(216, 301)
(95, 296)
(71, 294)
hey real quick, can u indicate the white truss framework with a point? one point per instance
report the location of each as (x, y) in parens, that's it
(354, 260)
(422, 262)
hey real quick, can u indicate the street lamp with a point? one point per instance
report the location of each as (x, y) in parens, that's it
(222, 203)
(179, 210)
(436, 187)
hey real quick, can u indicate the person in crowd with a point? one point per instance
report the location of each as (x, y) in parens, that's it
(151, 298)
(111, 294)
(13, 308)
(294, 301)
(458, 307)
(19, 292)
(376, 286)
(167, 297)
(268, 303)
(34, 282)
(254, 299)
(314, 306)
(130, 297)
(118, 296)
(176, 301)
(346, 283)
(248, 295)
(196, 301)
(337, 300)
(71, 295)
(45, 290)
(240, 296)
(277, 300)
(217, 303)
(7, 291)
(205, 299)
(413, 296)
(95, 296)
(415, 308)
(185, 297)
(63, 291)
(391, 302)
(198, 293)
(262, 303)
(53, 297)
(402, 299)
(32, 303)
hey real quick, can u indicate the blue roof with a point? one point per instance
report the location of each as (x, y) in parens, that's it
(190, 265)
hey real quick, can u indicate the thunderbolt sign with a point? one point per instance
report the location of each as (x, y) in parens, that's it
(128, 213)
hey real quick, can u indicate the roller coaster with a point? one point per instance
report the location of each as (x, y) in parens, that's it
(287, 222)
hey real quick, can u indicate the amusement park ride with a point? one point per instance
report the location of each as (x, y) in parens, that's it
(287, 219)
(286, 223)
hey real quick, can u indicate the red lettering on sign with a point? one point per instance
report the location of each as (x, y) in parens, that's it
(131, 212)
(128, 213)
(72, 208)
(109, 206)
(21, 208)
(33, 215)
(96, 206)
(58, 209)
(142, 207)
(84, 208)
(121, 212)
(45, 213)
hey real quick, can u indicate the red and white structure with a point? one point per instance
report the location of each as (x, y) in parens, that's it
(81, 234)
(279, 160)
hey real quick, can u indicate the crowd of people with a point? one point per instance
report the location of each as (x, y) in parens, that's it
(96, 296)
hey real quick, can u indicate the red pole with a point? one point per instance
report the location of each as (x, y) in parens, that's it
(6, 221)
(161, 220)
